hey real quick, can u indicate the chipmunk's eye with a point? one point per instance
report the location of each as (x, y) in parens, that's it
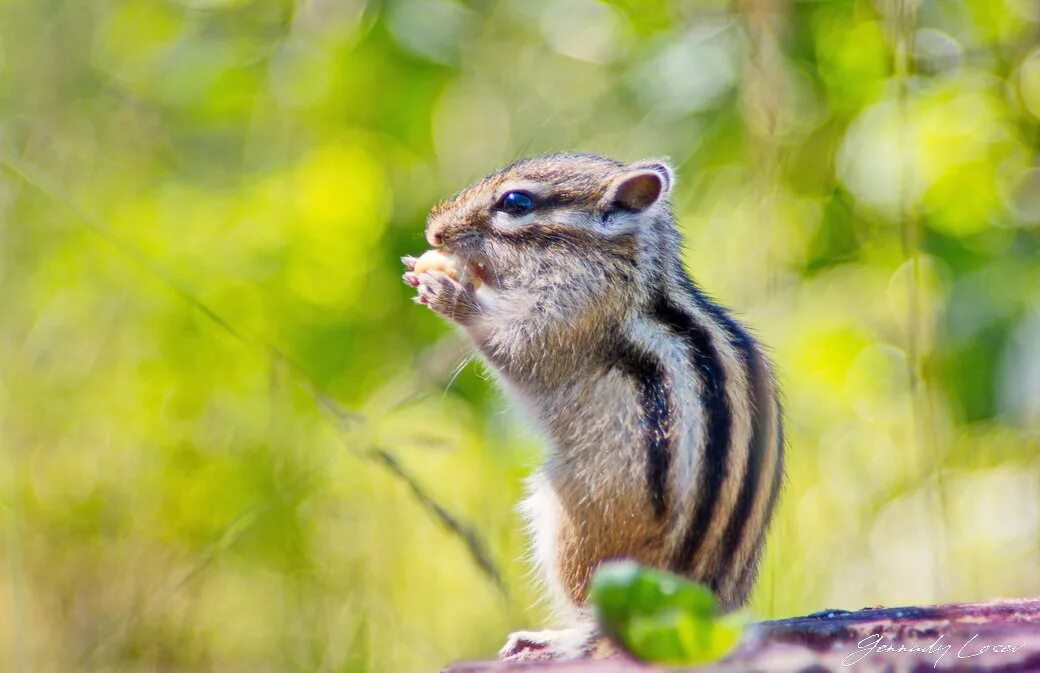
(515, 203)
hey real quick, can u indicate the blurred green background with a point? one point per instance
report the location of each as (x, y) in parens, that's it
(205, 344)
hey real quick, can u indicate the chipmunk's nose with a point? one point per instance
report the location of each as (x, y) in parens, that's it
(444, 227)
(437, 230)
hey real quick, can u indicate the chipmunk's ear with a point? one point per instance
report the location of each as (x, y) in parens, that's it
(640, 186)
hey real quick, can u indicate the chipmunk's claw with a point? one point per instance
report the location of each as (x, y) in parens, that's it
(445, 295)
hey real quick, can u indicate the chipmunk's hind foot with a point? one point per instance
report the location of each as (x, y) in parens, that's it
(556, 645)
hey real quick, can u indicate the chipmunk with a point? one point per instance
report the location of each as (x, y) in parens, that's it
(662, 412)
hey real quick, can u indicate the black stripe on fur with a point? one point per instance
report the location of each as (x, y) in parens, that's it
(655, 417)
(706, 362)
(747, 573)
(758, 394)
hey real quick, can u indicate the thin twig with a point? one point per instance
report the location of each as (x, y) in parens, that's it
(464, 530)
(342, 418)
(904, 23)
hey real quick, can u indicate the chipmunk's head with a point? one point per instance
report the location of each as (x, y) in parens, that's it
(554, 214)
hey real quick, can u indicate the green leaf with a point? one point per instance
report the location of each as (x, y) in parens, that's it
(658, 616)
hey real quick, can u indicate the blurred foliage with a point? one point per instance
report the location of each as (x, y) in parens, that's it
(202, 204)
(661, 617)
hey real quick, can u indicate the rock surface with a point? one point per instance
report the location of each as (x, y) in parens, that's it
(988, 637)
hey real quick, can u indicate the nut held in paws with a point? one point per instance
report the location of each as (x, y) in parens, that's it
(437, 260)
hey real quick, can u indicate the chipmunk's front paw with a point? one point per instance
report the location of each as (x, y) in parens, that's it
(548, 645)
(445, 295)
